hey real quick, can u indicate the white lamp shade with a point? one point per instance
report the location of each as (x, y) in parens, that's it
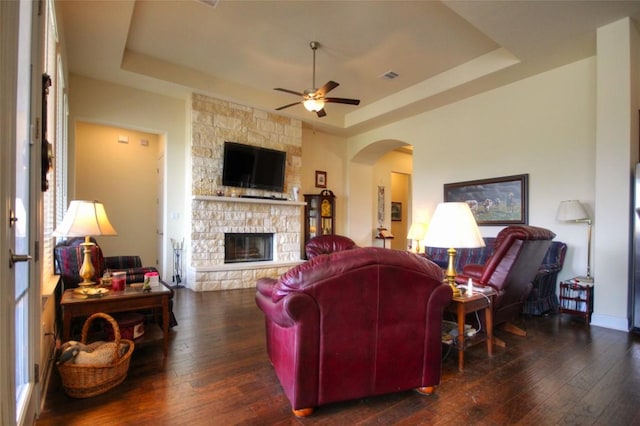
(453, 226)
(571, 210)
(417, 231)
(84, 218)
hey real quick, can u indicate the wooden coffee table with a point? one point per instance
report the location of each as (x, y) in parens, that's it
(130, 299)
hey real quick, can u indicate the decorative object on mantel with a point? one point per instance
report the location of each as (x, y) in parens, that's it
(573, 211)
(177, 247)
(453, 226)
(85, 219)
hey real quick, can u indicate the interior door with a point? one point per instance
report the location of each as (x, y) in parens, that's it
(160, 215)
(18, 90)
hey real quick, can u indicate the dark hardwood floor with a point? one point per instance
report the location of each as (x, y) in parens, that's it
(217, 373)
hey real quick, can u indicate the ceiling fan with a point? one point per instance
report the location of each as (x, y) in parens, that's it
(314, 99)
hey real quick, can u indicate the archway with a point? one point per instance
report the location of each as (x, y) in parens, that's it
(370, 172)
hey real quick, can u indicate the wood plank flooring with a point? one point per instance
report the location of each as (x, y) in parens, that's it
(218, 373)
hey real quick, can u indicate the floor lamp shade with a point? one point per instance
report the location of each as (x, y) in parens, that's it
(85, 219)
(574, 211)
(453, 226)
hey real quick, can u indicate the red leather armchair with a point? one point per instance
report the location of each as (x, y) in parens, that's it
(354, 323)
(326, 244)
(510, 270)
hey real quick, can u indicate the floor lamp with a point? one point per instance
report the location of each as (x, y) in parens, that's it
(85, 219)
(453, 226)
(573, 211)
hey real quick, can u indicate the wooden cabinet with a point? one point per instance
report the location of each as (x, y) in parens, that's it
(319, 214)
(576, 299)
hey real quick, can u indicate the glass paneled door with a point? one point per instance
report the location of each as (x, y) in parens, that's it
(18, 286)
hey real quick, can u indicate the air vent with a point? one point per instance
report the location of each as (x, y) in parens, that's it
(389, 75)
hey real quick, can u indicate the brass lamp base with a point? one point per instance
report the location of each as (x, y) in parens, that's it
(87, 271)
(450, 274)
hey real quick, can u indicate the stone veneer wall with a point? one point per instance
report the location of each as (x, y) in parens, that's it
(213, 122)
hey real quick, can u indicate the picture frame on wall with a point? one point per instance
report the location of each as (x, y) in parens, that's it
(321, 179)
(396, 211)
(495, 201)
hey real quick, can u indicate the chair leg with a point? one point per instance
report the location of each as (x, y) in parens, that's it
(303, 412)
(499, 342)
(427, 390)
(514, 329)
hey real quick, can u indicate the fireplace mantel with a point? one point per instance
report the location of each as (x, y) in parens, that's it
(224, 199)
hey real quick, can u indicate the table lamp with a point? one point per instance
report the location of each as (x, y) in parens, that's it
(85, 219)
(573, 211)
(417, 231)
(453, 226)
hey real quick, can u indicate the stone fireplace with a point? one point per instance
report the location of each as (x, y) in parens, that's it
(217, 210)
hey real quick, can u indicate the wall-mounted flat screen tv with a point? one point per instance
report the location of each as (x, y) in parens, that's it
(247, 166)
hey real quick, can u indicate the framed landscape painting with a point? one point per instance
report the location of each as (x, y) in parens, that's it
(495, 201)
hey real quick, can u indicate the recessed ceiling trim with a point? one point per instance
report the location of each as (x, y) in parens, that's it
(491, 62)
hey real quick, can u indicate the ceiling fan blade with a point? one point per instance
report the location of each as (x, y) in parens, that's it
(329, 86)
(343, 101)
(293, 92)
(289, 105)
(321, 113)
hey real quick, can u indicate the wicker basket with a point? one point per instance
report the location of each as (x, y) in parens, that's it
(83, 381)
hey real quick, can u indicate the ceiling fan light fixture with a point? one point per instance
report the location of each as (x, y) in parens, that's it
(313, 105)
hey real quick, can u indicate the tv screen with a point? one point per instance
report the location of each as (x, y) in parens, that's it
(246, 166)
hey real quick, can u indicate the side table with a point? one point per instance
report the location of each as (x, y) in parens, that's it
(461, 306)
(131, 299)
(576, 298)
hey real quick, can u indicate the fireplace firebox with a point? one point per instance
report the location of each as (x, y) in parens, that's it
(248, 247)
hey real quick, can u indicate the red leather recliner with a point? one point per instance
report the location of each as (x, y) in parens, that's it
(510, 270)
(353, 324)
(326, 244)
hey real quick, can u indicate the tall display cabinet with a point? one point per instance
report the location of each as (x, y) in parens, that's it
(319, 214)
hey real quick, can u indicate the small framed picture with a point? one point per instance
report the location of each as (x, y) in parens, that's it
(321, 179)
(396, 211)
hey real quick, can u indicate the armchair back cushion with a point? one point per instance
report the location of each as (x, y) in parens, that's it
(354, 323)
(68, 258)
(511, 269)
(325, 244)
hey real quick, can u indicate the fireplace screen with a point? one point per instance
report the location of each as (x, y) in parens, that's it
(248, 247)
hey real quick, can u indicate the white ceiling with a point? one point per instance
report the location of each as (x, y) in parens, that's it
(241, 50)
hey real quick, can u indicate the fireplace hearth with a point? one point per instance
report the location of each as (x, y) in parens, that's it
(248, 247)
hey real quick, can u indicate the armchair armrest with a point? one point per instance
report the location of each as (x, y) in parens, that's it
(265, 286)
(288, 311)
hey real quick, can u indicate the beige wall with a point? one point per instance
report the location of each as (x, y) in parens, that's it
(543, 126)
(109, 104)
(123, 176)
(324, 152)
